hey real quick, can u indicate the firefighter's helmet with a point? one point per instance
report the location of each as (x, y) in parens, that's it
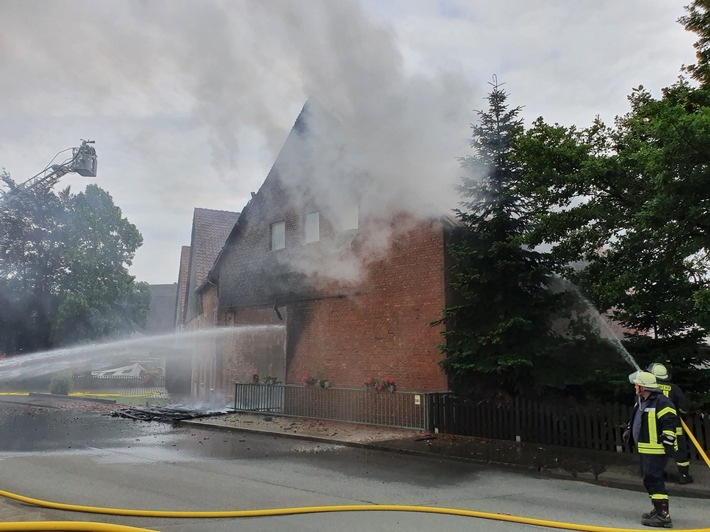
(645, 380)
(659, 370)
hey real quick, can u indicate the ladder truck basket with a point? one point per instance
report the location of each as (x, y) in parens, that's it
(84, 161)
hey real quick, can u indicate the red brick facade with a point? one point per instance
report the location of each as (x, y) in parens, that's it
(342, 331)
(384, 330)
(353, 303)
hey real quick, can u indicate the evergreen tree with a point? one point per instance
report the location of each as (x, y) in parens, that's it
(510, 326)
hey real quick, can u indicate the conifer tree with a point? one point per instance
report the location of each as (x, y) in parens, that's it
(503, 335)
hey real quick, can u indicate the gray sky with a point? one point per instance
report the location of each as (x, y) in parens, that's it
(190, 101)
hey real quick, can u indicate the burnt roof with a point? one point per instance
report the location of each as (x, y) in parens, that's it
(210, 229)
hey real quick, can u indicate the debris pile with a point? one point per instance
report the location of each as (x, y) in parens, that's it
(170, 413)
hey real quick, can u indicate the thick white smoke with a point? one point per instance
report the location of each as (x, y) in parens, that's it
(191, 100)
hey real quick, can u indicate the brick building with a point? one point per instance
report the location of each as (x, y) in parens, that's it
(299, 283)
(195, 306)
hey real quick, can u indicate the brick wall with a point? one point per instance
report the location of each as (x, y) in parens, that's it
(343, 331)
(347, 331)
(383, 330)
(257, 345)
(202, 366)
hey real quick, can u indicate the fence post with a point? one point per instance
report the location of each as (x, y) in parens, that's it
(428, 417)
(518, 420)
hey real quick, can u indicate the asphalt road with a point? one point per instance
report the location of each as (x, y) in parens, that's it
(90, 459)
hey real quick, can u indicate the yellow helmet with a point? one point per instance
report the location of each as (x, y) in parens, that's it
(645, 380)
(659, 370)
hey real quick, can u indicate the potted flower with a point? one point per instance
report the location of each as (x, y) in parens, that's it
(309, 380)
(381, 385)
(371, 383)
(255, 378)
(390, 385)
(324, 383)
(269, 380)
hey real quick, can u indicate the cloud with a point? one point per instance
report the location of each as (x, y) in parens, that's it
(190, 101)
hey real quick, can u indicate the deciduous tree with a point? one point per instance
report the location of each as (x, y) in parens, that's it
(63, 269)
(628, 206)
(99, 297)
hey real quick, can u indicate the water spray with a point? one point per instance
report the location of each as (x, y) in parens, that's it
(603, 325)
(165, 345)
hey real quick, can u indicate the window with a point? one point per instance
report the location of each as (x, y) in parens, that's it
(312, 228)
(278, 235)
(349, 216)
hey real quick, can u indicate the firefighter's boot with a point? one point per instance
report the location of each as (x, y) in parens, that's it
(659, 517)
(685, 477)
(649, 515)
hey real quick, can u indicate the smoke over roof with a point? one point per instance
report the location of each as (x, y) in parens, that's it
(189, 102)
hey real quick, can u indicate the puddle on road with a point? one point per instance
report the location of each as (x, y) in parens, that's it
(110, 439)
(32, 430)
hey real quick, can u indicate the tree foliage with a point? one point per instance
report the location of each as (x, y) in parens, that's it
(626, 208)
(515, 324)
(625, 212)
(100, 298)
(29, 268)
(697, 20)
(63, 269)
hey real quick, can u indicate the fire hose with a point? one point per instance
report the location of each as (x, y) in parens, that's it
(102, 527)
(106, 527)
(695, 442)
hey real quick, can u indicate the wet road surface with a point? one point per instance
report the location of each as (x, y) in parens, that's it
(90, 458)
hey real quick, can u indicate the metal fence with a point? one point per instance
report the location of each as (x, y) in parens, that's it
(259, 398)
(93, 382)
(352, 405)
(599, 427)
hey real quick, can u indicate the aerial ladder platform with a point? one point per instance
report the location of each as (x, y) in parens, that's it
(83, 162)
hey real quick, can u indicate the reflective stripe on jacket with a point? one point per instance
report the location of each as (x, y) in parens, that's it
(677, 397)
(659, 417)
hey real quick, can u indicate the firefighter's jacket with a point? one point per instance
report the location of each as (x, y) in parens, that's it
(677, 397)
(658, 418)
(675, 394)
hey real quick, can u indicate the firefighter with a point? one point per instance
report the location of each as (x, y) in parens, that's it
(677, 397)
(653, 428)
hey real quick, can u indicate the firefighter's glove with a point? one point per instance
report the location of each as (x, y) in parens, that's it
(668, 442)
(626, 436)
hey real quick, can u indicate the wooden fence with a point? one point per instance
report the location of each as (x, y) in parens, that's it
(599, 427)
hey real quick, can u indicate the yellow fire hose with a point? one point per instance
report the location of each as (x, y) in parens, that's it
(78, 526)
(105, 527)
(696, 443)
(101, 527)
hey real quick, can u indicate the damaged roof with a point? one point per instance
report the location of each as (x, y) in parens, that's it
(210, 229)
